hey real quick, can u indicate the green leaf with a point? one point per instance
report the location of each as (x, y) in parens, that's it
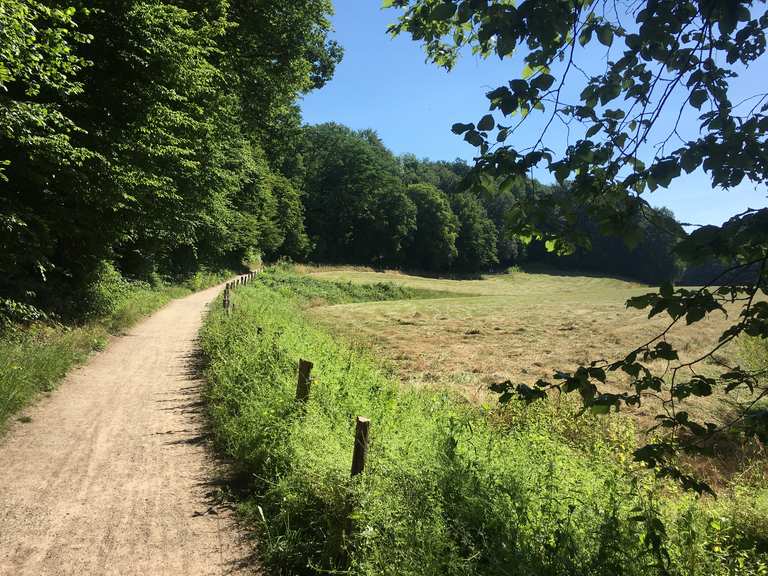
(528, 72)
(486, 123)
(460, 128)
(562, 172)
(697, 98)
(689, 161)
(593, 130)
(443, 11)
(605, 35)
(519, 86)
(474, 138)
(543, 82)
(694, 315)
(585, 36)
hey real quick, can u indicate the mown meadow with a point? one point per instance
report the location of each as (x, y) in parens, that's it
(451, 486)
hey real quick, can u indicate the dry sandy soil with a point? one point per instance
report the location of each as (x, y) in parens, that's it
(113, 473)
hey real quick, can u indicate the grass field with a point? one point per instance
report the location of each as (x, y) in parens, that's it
(514, 326)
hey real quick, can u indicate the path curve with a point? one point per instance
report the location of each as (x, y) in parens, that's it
(113, 475)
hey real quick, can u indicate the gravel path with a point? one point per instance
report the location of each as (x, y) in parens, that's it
(113, 474)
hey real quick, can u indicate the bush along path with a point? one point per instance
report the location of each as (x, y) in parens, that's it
(112, 473)
(447, 488)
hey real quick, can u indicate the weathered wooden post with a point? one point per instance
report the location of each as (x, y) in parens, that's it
(304, 382)
(361, 445)
(226, 298)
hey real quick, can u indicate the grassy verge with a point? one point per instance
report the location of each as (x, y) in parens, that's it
(450, 488)
(313, 292)
(33, 359)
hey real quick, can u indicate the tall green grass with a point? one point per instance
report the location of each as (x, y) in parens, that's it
(314, 292)
(449, 488)
(34, 358)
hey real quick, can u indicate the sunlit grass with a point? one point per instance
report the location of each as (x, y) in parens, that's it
(451, 487)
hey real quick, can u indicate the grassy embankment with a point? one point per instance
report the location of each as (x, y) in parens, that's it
(451, 487)
(34, 358)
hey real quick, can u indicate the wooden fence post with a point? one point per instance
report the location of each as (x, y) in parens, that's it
(304, 381)
(361, 445)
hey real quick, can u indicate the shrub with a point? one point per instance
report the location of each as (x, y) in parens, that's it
(106, 290)
(308, 290)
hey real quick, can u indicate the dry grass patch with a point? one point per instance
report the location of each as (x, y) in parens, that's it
(514, 326)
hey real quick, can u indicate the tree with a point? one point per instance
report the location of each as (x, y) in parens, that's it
(433, 246)
(649, 259)
(152, 133)
(476, 240)
(47, 209)
(290, 220)
(668, 59)
(356, 207)
(447, 176)
(276, 51)
(499, 202)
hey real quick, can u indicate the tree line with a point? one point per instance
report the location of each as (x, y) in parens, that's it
(164, 137)
(365, 205)
(154, 134)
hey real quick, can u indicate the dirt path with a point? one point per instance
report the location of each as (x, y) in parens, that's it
(113, 475)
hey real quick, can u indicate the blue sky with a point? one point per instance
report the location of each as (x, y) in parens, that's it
(385, 84)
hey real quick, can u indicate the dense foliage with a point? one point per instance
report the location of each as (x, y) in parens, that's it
(164, 137)
(449, 489)
(150, 133)
(366, 206)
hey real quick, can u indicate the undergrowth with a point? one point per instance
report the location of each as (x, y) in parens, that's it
(36, 354)
(450, 488)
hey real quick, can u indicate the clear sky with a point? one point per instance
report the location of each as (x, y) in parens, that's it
(385, 84)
